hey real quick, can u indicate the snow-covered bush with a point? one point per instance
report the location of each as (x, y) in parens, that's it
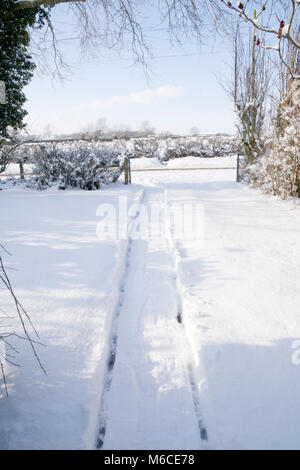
(182, 147)
(175, 149)
(278, 171)
(145, 147)
(76, 165)
(4, 157)
(200, 146)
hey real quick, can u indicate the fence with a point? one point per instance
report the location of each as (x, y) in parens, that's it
(127, 170)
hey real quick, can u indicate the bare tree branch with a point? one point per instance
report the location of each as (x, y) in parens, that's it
(283, 31)
(21, 312)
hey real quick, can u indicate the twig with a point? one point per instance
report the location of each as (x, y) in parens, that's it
(20, 311)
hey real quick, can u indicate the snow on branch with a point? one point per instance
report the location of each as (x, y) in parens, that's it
(284, 30)
(22, 4)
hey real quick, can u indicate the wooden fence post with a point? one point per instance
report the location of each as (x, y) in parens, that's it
(21, 167)
(238, 169)
(127, 171)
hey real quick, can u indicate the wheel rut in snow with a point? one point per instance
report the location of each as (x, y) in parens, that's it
(180, 320)
(193, 385)
(150, 398)
(114, 340)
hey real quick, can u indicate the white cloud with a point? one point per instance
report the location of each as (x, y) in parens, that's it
(139, 98)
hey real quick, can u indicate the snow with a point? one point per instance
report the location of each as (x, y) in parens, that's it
(240, 303)
(150, 370)
(194, 162)
(222, 377)
(68, 279)
(145, 163)
(285, 30)
(13, 169)
(183, 163)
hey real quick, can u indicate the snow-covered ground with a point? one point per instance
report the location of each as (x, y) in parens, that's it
(183, 163)
(68, 280)
(165, 341)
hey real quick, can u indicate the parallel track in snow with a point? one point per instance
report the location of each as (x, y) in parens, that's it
(180, 319)
(150, 389)
(113, 338)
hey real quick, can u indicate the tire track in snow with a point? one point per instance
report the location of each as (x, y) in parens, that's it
(112, 354)
(181, 346)
(180, 319)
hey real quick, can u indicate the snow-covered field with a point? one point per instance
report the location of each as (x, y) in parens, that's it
(168, 341)
(184, 163)
(13, 169)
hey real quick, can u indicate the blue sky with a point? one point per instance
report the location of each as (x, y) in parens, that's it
(182, 91)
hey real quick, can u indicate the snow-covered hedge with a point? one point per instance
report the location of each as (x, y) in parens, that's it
(191, 146)
(77, 165)
(200, 146)
(88, 165)
(164, 148)
(145, 147)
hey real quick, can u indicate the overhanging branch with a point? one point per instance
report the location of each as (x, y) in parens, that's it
(23, 4)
